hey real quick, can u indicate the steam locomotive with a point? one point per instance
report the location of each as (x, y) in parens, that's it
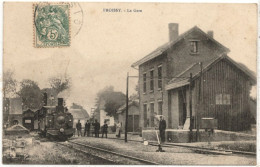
(55, 122)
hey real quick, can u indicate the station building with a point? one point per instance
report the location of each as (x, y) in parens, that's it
(219, 88)
(79, 114)
(15, 114)
(133, 116)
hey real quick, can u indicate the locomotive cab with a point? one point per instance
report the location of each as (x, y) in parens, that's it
(57, 123)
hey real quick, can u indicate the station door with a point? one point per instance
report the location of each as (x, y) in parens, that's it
(133, 123)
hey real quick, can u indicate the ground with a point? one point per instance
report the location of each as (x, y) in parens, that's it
(176, 155)
(41, 151)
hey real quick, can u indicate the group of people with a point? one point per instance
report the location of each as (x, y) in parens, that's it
(96, 125)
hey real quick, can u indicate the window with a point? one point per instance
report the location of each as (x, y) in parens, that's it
(28, 121)
(160, 77)
(194, 47)
(152, 114)
(218, 98)
(226, 99)
(223, 99)
(144, 82)
(160, 108)
(151, 81)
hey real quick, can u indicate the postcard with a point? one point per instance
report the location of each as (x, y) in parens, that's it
(113, 83)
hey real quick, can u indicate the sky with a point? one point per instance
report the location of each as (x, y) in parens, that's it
(106, 45)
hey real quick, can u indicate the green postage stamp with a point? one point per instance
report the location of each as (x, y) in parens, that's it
(51, 25)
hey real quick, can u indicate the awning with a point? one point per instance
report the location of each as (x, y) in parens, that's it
(178, 84)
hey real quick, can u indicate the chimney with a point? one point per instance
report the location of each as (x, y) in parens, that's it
(60, 101)
(211, 33)
(173, 31)
(45, 97)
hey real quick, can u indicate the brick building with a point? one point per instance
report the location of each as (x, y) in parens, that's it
(164, 80)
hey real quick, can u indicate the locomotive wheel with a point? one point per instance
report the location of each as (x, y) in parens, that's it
(62, 138)
(50, 137)
(42, 134)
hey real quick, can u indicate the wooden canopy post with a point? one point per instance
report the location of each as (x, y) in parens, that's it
(190, 105)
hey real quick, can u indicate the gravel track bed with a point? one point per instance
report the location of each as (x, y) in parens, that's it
(88, 155)
(175, 155)
(111, 157)
(51, 153)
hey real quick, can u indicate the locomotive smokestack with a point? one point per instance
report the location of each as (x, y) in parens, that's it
(45, 97)
(60, 101)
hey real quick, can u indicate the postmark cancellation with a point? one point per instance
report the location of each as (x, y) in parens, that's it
(51, 25)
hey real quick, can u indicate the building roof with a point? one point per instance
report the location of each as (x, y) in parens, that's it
(29, 113)
(123, 107)
(182, 79)
(16, 129)
(79, 113)
(157, 52)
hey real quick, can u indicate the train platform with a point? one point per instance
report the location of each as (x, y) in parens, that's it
(211, 144)
(122, 136)
(173, 155)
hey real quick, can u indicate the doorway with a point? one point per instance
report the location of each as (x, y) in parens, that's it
(182, 106)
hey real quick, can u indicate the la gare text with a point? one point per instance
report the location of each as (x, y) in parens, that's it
(118, 10)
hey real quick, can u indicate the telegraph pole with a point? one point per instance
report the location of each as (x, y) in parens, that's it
(190, 105)
(126, 111)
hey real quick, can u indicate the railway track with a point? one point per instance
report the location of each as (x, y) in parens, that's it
(100, 159)
(106, 155)
(197, 149)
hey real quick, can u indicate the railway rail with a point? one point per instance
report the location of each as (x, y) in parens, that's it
(101, 159)
(106, 155)
(196, 148)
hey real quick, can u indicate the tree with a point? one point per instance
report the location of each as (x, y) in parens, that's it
(30, 94)
(110, 100)
(60, 83)
(9, 83)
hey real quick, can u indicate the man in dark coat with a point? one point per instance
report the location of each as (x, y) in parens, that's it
(87, 129)
(104, 129)
(96, 128)
(162, 127)
(79, 127)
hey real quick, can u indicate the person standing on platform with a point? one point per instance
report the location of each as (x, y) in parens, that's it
(96, 128)
(118, 129)
(104, 129)
(162, 127)
(79, 127)
(87, 129)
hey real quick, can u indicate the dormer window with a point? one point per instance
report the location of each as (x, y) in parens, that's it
(194, 47)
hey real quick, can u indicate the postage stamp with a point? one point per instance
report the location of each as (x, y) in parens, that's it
(51, 25)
